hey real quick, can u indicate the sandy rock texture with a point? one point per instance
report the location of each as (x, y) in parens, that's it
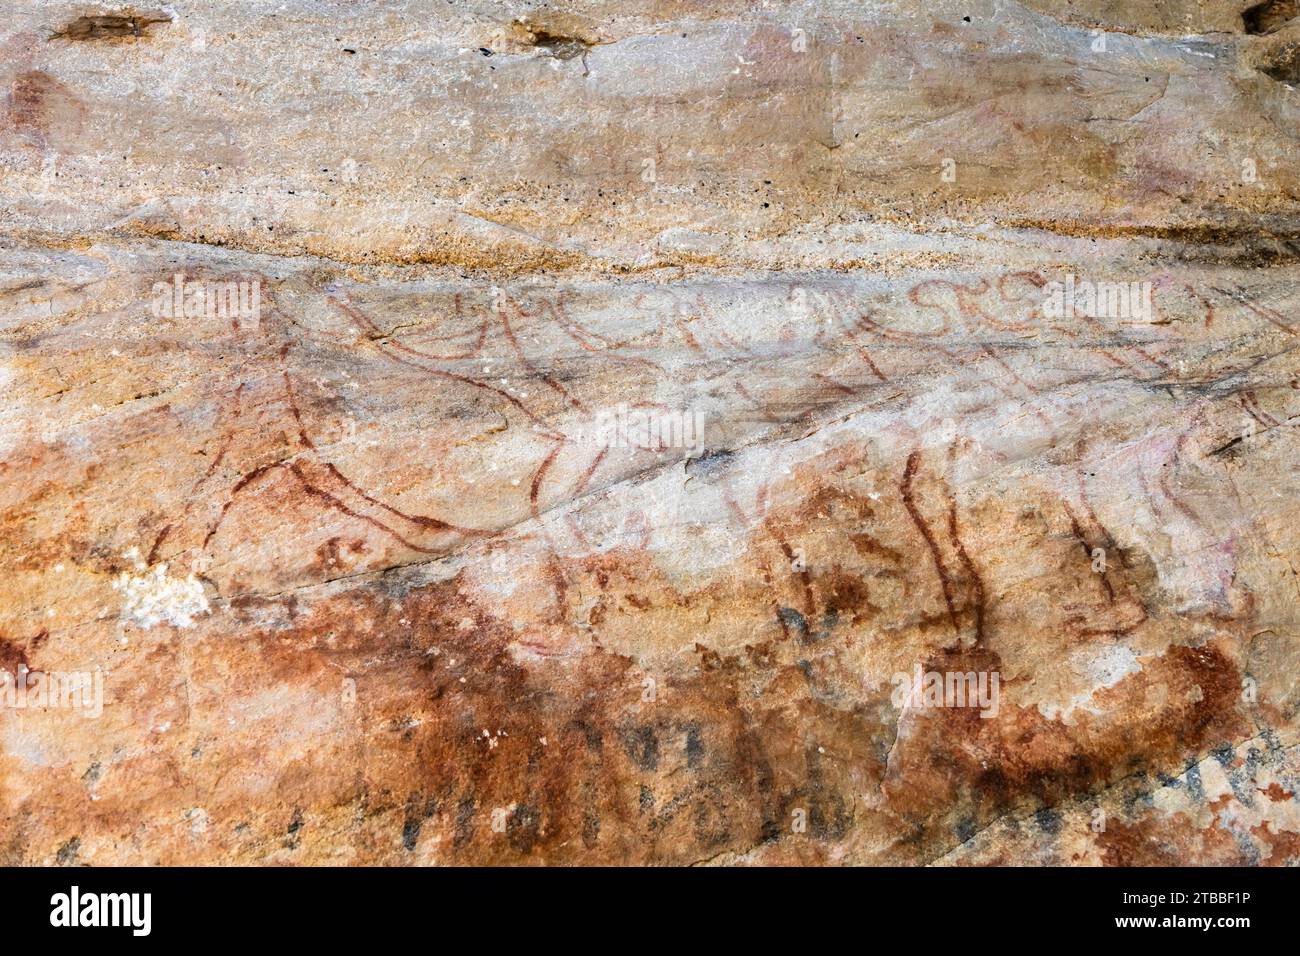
(570, 433)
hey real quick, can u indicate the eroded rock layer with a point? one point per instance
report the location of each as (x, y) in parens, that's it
(530, 433)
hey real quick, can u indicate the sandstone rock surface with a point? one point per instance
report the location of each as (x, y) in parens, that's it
(384, 569)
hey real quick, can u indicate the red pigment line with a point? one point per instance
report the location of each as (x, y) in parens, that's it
(690, 338)
(572, 328)
(1117, 362)
(240, 485)
(577, 531)
(358, 316)
(225, 444)
(646, 530)
(1009, 370)
(608, 351)
(550, 382)
(834, 384)
(1164, 481)
(587, 475)
(740, 387)
(536, 487)
(727, 339)
(162, 536)
(423, 336)
(1245, 407)
(1038, 412)
(478, 342)
(216, 462)
(1254, 401)
(977, 582)
(556, 574)
(905, 488)
(913, 294)
(427, 521)
(1152, 359)
(868, 326)
(561, 313)
(910, 338)
(871, 365)
(465, 379)
(1209, 306)
(189, 504)
(1275, 318)
(297, 414)
(735, 509)
(334, 502)
(1087, 550)
(1146, 490)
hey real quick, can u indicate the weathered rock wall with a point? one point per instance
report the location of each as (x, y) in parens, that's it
(632, 392)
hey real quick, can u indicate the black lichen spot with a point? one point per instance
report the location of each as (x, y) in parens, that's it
(829, 816)
(590, 734)
(1194, 786)
(710, 821)
(411, 832)
(523, 828)
(1048, 820)
(417, 811)
(709, 462)
(792, 618)
(1224, 754)
(829, 813)
(1268, 16)
(1284, 65)
(126, 25)
(642, 745)
(67, 855)
(694, 747)
(464, 823)
(291, 834)
(829, 621)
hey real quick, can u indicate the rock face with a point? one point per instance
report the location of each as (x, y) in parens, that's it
(650, 433)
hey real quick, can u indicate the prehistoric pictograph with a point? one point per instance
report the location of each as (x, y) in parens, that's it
(753, 435)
